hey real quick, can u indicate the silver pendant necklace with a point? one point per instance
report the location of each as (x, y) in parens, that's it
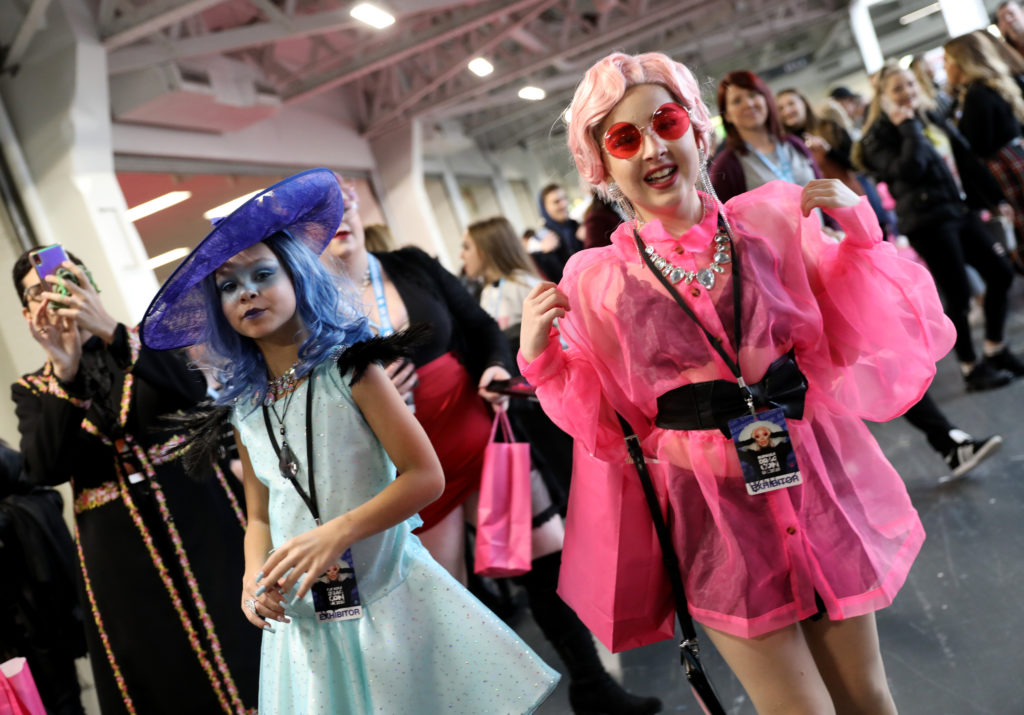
(704, 276)
(287, 462)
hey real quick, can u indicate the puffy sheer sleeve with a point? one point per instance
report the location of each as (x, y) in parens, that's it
(882, 324)
(573, 384)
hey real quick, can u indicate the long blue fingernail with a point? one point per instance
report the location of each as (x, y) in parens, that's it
(259, 577)
(268, 628)
(260, 591)
(271, 551)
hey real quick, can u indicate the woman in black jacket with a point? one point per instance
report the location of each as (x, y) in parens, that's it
(936, 182)
(990, 112)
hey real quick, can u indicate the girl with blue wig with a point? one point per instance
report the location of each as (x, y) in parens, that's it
(357, 616)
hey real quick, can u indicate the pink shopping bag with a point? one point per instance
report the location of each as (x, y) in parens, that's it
(18, 692)
(504, 517)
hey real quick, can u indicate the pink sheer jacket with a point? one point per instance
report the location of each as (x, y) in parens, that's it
(866, 327)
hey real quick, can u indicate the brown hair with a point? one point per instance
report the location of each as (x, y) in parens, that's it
(827, 129)
(500, 247)
(749, 81)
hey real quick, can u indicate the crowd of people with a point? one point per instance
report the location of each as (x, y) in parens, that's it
(284, 511)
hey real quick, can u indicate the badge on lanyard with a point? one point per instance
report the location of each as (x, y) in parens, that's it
(765, 451)
(335, 594)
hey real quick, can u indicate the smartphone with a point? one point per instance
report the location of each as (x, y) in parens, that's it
(48, 261)
(516, 387)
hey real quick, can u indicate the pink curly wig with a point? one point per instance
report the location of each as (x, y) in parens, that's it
(604, 86)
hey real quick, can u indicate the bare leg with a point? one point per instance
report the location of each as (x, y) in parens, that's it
(850, 663)
(777, 670)
(446, 542)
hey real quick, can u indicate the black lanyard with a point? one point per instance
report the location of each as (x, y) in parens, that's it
(737, 329)
(310, 497)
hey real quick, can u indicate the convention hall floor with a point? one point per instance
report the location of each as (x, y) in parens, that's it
(950, 640)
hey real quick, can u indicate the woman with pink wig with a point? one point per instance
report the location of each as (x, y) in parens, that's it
(690, 321)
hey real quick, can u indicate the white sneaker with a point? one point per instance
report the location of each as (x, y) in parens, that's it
(969, 453)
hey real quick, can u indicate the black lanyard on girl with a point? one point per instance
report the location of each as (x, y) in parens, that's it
(715, 341)
(286, 463)
(385, 328)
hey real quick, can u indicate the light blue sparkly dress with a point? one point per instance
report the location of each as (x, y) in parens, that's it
(424, 644)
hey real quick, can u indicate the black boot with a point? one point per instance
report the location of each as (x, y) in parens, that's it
(592, 691)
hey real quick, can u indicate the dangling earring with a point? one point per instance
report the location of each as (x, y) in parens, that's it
(624, 204)
(709, 188)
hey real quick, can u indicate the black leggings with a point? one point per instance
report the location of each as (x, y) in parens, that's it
(947, 248)
(927, 417)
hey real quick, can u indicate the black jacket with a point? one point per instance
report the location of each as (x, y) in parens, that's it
(134, 535)
(986, 120)
(925, 191)
(459, 324)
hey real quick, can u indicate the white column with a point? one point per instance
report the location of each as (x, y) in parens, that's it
(399, 157)
(65, 134)
(864, 34)
(963, 16)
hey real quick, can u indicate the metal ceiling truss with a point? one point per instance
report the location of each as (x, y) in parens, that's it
(417, 67)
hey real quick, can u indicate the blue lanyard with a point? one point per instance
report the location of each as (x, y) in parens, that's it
(385, 328)
(784, 170)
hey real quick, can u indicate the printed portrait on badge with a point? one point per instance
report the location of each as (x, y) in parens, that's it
(765, 451)
(335, 593)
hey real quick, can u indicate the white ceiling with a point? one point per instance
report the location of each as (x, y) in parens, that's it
(217, 65)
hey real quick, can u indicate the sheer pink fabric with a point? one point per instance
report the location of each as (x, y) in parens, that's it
(867, 328)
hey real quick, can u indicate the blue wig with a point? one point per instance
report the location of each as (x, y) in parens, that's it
(237, 361)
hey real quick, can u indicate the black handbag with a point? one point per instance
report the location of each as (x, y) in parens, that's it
(689, 649)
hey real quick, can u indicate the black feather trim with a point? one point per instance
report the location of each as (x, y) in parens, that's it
(208, 436)
(383, 350)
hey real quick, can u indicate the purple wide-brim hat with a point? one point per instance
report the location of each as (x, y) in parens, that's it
(308, 206)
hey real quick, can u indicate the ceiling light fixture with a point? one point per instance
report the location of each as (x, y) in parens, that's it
(480, 67)
(164, 258)
(225, 209)
(918, 14)
(532, 93)
(160, 203)
(372, 15)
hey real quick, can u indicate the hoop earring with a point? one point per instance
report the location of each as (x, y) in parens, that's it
(624, 204)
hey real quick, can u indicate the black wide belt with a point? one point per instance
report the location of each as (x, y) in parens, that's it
(711, 404)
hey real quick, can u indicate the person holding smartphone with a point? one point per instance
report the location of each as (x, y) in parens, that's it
(939, 185)
(155, 545)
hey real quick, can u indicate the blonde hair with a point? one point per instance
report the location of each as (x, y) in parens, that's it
(500, 247)
(605, 84)
(979, 63)
(890, 69)
(378, 238)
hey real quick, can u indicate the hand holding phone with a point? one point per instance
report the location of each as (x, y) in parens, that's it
(897, 113)
(49, 261)
(514, 387)
(71, 292)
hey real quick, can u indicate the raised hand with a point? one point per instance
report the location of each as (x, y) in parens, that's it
(826, 194)
(84, 304)
(60, 338)
(542, 306)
